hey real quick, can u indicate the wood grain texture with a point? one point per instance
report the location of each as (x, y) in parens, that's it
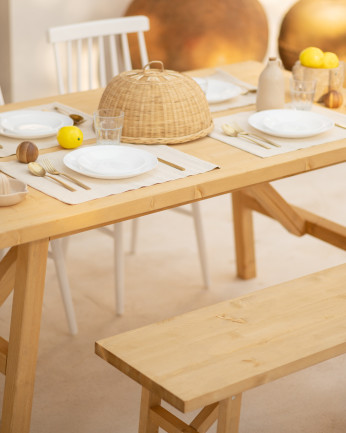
(210, 354)
(321, 228)
(3, 355)
(40, 216)
(7, 274)
(243, 237)
(148, 400)
(229, 415)
(24, 336)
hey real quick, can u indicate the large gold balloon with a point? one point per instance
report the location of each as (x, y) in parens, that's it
(190, 34)
(319, 23)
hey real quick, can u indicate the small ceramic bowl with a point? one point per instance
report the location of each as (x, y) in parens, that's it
(12, 191)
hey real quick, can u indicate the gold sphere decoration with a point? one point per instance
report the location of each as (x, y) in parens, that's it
(317, 23)
(190, 34)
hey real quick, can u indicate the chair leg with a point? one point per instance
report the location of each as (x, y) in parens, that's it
(197, 219)
(58, 256)
(119, 268)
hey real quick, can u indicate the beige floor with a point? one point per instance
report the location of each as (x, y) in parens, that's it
(78, 392)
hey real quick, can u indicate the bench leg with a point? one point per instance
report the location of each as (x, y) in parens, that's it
(148, 400)
(229, 415)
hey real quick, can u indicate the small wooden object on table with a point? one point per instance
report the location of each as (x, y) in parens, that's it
(207, 358)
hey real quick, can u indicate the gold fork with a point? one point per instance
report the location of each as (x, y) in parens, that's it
(52, 170)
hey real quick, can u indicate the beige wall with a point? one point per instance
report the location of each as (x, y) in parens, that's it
(27, 66)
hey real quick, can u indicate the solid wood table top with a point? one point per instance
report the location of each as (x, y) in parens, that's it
(213, 353)
(40, 216)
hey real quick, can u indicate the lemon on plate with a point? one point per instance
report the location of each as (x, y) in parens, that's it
(330, 60)
(312, 57)
(70, 137)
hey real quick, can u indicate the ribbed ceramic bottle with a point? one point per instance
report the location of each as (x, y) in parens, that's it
(271, 86)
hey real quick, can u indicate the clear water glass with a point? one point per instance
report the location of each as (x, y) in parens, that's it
(108, 123)
(302, 93)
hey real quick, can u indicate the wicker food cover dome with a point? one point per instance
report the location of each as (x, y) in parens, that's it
(160, 106)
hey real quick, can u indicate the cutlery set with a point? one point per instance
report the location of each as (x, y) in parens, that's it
(38, 170)
(47, 167)
(234, 130)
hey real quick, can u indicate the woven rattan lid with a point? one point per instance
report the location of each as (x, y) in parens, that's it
(160, 106)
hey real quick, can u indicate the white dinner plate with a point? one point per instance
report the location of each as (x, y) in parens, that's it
(110, 161)
(32, 123)
(290, 123)
(218, 90)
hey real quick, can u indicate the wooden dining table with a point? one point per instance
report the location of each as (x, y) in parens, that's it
(27, 228)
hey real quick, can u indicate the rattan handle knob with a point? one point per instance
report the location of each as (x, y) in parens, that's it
(154, 61)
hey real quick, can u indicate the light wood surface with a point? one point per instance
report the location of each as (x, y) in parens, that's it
(24, 336)
(40, 216)
(28, 226)
(215, 353)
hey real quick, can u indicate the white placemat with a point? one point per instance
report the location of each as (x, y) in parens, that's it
(239, 101)
(10, 144)
(100, 187)
(287, 144)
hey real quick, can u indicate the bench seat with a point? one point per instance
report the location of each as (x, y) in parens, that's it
(210, 356)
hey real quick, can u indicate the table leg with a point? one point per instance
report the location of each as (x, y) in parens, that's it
(244, 237)
(24, 336)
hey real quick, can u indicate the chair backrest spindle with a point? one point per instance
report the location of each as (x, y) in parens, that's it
(126, 52)
(114, 56)
(79, 64)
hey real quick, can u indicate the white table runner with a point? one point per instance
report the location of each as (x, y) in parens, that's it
(287, 144)
(100, 187)
(10, 144)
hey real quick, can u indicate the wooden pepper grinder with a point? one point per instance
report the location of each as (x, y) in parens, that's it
(271, 86)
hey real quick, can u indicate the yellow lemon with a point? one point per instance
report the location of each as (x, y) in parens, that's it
(70, 137)
(311, 57)
(330, 60)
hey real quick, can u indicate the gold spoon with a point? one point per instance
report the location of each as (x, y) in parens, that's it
(77, 118)
(228, 130)
(37, 170)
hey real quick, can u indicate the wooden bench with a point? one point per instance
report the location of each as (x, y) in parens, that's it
(207, 358)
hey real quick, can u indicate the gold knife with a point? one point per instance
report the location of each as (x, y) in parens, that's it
(178, 167)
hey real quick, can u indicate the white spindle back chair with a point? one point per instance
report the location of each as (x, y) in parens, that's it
(93, 43)
(72, 36)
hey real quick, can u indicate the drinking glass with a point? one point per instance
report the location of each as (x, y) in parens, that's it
(108, 124)
(302, 93)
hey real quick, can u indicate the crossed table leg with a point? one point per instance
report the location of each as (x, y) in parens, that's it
(265, 199)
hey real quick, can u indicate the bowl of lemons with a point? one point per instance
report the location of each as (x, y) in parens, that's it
(324, 67)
